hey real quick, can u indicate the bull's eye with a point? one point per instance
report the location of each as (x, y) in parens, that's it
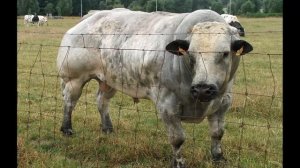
(225, 54)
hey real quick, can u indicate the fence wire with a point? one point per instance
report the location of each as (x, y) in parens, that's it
(253, 126)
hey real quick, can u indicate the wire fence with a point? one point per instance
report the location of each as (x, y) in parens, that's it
(253, 133)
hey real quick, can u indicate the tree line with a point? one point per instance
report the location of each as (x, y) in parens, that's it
(73, 7)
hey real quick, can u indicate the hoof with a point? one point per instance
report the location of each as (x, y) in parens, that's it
(177, 163)
(108, 130)
(67, 132)
(219, 158)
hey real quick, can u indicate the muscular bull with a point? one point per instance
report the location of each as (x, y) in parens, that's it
(184, 63)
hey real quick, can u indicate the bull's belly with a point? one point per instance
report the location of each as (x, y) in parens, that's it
(133, 86)
(132, 90)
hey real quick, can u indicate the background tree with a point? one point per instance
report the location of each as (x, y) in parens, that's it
(58, 10)
(42, 4)
(118, 4)
(73, 7)
(236, 6)
(49, 8)
(247, 7)
(77, 7)
(21, 7)
(231, 8)
(136, 5)
(65, 7)
(34, 6)
(151, 6)
(102, 5)
(178, 6)
(277, 6)
(257, 5)
(109, 4)
(126, 3)
(202, 4)
(217, 6)
(169, 5)
(272, 6)
(27, 7)
(224, 2)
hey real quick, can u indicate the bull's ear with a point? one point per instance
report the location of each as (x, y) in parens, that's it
(241, 47)
(178, 47)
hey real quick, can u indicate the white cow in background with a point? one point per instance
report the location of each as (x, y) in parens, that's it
(28, 19)
(230, 18)
(233, 21)
(42, 20)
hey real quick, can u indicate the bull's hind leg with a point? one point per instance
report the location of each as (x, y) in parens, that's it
(103, 97)
(216, 125)
(71, 93)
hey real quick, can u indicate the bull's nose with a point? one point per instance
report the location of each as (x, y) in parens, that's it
(204, 92)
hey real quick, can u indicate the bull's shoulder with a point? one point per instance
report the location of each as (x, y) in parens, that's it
(121, 19)
(198, 16)
(92, 12)
(162, 13)
(203, 15)
(120, 9)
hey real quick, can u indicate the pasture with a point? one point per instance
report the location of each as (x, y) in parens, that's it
(253, 132)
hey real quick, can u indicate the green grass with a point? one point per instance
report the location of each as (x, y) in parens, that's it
(253, 136)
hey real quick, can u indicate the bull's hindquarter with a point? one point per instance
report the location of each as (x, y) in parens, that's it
(109, 47)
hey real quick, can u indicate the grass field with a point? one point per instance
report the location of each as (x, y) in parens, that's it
(252, 139)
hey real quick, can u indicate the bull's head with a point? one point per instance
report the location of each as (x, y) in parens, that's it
(213, 53)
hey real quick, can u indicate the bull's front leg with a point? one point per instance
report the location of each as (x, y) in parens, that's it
(175, 133)
(216, 125)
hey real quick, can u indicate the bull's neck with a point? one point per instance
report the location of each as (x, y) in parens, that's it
(176, 76)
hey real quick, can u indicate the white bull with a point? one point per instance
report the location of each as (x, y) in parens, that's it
(184, 63)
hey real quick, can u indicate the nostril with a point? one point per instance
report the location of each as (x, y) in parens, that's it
(201, 86)
(195, 88)
(208, 92)
(204, 92)
(204, 89)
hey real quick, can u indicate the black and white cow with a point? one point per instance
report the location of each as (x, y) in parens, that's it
(41, 20)
(233, 21)
(35, 19)
(185, 63)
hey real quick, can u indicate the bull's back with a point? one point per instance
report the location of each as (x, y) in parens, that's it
(125, 29)
(106, 36)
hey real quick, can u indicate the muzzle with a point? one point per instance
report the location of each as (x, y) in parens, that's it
(204, 92)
